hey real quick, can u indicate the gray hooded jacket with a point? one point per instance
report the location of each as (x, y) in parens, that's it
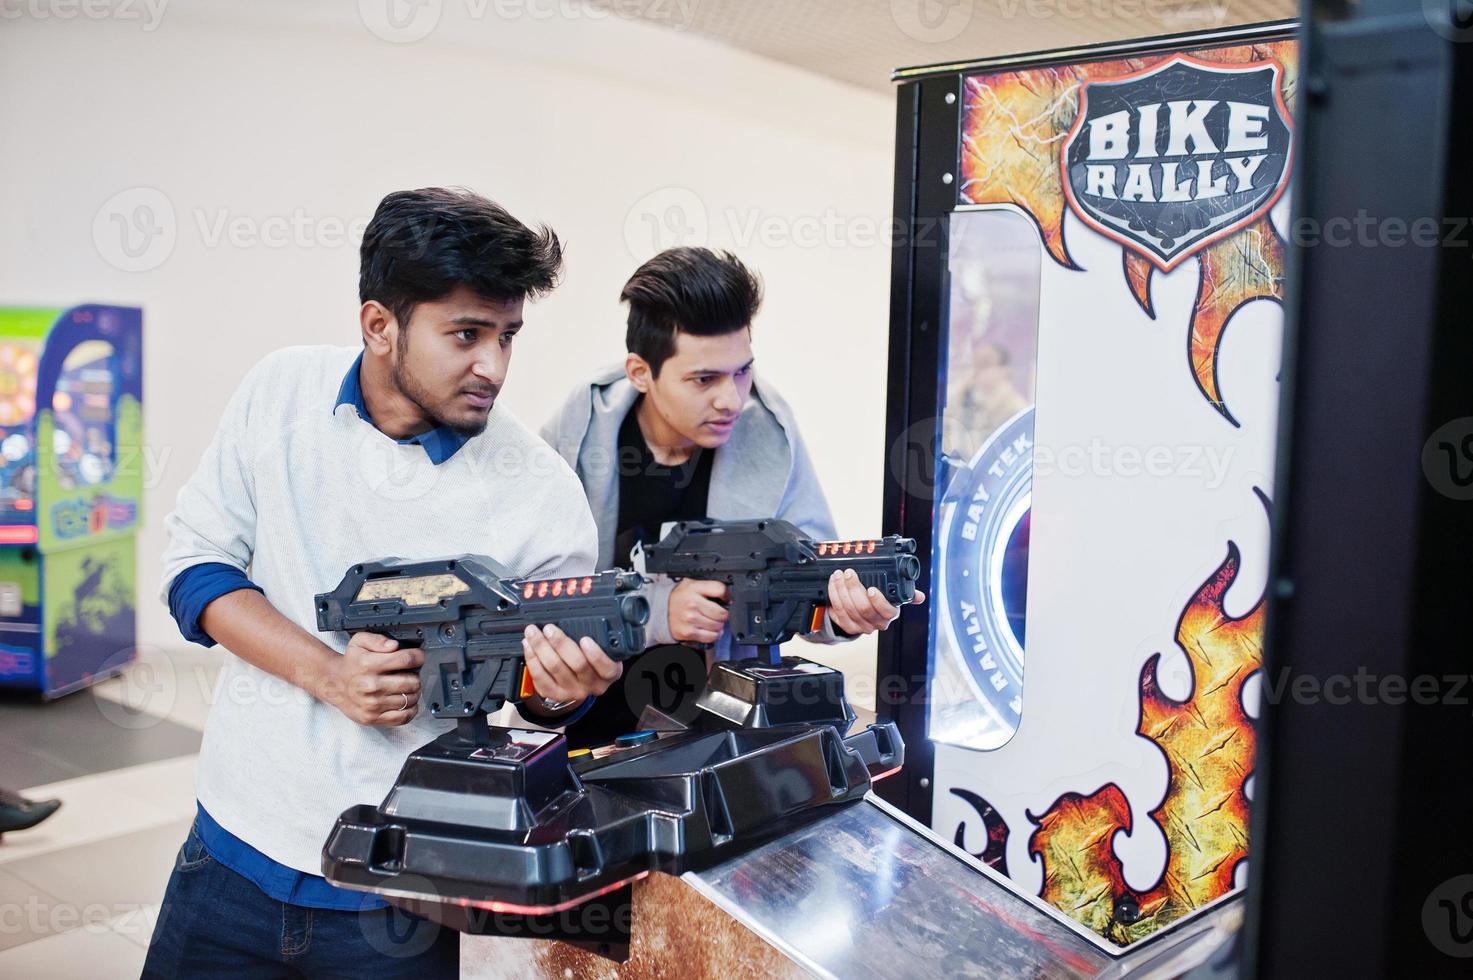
(762, 471)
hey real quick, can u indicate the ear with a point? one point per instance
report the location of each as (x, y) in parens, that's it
(380, 328)
(637, 370)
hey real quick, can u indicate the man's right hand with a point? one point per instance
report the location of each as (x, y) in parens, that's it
(374, 682)
(696, 615)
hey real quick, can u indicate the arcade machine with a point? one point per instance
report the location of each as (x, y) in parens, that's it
(743, 843)
(71, 481)
(1084, 372)
(1138, 540)
(1084, 424)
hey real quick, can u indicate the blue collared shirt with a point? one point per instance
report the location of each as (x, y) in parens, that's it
(440, 442)
(277, 880)
(195, 588)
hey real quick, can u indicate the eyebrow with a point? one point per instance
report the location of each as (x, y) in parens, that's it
(476, 321)
(700, 371)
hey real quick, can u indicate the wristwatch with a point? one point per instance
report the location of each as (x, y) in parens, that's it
(553, 708)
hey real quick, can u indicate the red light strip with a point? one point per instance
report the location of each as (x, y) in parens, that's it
(18, 534)
(515, 909)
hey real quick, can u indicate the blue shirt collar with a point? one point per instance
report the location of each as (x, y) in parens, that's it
(440, 443)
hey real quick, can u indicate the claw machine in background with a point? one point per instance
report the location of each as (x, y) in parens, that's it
(71, 483)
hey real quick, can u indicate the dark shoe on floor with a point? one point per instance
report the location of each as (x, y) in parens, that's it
(19, 813)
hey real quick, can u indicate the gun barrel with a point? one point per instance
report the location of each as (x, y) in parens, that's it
(778, 576)
(469, 615)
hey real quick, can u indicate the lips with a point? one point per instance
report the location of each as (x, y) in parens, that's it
(479, 399)
(720, 426)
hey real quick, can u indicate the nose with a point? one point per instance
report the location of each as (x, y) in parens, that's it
(491, 366)
(728, 398)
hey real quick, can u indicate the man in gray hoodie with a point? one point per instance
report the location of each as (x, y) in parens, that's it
(682, 430)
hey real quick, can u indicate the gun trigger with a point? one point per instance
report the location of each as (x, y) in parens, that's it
(525, 689)
(817, 623)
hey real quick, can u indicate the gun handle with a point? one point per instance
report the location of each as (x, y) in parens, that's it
(525, 687)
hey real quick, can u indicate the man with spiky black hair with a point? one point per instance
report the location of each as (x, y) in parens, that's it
(327, 456)
(683, 429)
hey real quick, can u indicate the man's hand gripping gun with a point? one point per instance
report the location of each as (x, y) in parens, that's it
(779, 578)
(469, 615)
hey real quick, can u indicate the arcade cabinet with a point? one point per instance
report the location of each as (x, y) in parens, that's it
(1084, 360)
(71, 487)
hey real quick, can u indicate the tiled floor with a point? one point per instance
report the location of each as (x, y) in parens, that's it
(79, 894)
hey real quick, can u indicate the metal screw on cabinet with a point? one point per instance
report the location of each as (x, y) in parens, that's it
(951, 98)
(946, 178)
(925, 782)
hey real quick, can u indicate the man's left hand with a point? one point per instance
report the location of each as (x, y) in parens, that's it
(859, 611)
(566, 671)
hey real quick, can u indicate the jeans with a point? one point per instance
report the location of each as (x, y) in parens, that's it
(215, 923)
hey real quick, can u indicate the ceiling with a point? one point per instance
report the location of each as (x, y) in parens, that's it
(862, 41)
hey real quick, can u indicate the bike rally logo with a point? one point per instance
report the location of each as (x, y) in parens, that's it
(1173, 158)
(983, 563)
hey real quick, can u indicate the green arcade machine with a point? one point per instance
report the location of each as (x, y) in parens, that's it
(71, 488)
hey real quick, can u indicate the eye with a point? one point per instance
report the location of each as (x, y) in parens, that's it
(704, 379)
(468, 335)
(743, 372)
(507, 338)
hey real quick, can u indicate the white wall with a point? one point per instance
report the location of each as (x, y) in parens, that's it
(263, 128)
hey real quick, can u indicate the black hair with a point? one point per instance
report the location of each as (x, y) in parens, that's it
(696, 290)
(421, 244)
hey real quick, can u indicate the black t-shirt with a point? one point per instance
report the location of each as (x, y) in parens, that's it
(651, 493)
(669, 677)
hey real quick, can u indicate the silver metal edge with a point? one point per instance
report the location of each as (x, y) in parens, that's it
(1095, 939)
(1095, 52)
(710, 894)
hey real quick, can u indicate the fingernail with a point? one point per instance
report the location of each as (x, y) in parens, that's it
(529, 632)
(547, 631)
(874, 591)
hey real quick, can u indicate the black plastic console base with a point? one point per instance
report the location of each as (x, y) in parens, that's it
(476, 836)
(790, 691)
